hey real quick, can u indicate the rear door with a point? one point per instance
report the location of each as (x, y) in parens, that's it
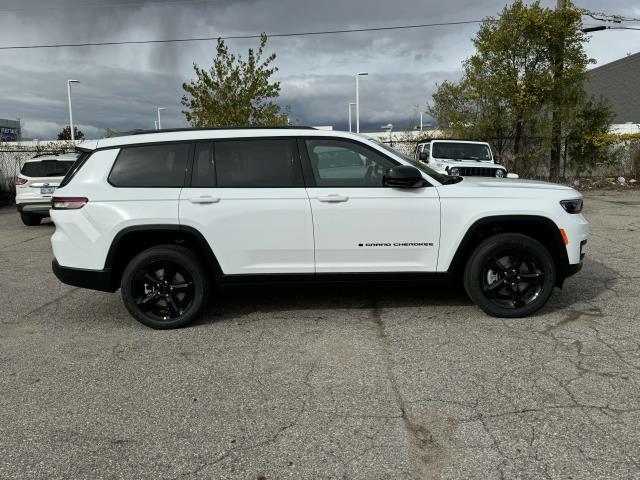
(247, 198)
(361, 225)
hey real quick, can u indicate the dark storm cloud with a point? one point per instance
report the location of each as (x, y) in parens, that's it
(122, 86)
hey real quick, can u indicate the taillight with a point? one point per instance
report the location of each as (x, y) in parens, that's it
(68, 203)
(21, 181)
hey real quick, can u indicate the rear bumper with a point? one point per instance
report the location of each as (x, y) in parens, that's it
(34, 207)
(79, 277)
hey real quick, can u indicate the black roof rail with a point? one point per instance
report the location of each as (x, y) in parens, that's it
(187, 129)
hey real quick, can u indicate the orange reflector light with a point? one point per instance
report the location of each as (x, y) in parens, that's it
(564, 236)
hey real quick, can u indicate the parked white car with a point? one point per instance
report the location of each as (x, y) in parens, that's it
(164, 216)
(461, 158)
(38, 179)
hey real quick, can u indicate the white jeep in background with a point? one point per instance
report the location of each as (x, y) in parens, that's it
(164, 216)
(38, 179)
(461, 158)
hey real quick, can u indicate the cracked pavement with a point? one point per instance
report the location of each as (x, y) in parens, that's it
(361, 382)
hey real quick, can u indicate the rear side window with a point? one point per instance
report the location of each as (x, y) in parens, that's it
(257, 163)
(161, 165)
(204, 173)
(46, 168)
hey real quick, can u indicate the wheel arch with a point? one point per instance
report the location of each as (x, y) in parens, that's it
(130, 241)
(542, 229)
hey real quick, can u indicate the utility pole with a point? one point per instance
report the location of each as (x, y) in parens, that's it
(350, 105)
(556, 120)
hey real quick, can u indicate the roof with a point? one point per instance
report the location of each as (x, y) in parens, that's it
(178, 135)
(617, 82)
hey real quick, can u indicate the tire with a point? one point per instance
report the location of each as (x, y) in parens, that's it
(510, 275)
(30, 219)
(165, 287)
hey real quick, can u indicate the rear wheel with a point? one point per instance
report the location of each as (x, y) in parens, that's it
(30, 219)
(510, 275)
(165, 287)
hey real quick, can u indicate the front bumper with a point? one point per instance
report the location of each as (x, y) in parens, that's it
(79, 277)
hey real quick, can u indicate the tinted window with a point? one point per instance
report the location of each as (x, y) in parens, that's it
(46, 168)
(461, 151)
(257, 163)
(150, 166)
(337, 163)
(204, 173)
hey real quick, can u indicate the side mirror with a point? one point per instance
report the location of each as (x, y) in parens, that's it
(403, 176)
(424, 156)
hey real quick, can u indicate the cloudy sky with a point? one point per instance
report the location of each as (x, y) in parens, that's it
(122, 85)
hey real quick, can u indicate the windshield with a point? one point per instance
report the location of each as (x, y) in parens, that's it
(444, 179)
(46, 168)
(461, 151)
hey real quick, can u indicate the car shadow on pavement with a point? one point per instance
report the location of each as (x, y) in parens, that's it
(594, 279)
(241, 301)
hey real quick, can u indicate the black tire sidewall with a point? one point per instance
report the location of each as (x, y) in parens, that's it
(181, 256)
(491, 247)
(30, 219)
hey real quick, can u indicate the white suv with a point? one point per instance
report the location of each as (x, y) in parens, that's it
(166, 216)
(461, 158)
(38, 179)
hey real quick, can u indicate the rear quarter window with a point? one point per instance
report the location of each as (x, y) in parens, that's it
(161, 165)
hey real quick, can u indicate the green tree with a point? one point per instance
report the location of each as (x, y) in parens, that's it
(234, 91)
(585, 143)
(65, 133)
(528, 69)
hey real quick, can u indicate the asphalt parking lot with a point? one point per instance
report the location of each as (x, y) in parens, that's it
(353, 383)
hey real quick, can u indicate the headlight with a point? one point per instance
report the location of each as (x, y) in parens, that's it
(499, 173)
(455, 171)
(572, 206)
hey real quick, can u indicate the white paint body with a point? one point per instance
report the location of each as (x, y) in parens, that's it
(300, 230)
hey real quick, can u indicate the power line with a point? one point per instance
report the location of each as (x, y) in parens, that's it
(237, 37)
(99, 5)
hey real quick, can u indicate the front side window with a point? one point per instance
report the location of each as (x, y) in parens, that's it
(258, 163)
(338, 163)
(161, 165)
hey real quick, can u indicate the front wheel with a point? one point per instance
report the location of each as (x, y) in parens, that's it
(510, 275)
(165, 287)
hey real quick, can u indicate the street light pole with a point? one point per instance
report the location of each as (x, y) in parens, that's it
(358, 75)
(69, 82)
(350, 105)
(159, 119)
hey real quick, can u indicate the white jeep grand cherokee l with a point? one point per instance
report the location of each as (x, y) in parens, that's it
(166, 216)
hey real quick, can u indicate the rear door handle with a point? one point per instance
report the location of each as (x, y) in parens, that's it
(204, 199)
(333, 198)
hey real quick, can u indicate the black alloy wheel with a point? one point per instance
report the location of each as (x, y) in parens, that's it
(510, 275)
(165, 287)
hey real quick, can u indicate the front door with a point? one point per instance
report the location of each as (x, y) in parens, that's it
(361, 225)
(247, 198)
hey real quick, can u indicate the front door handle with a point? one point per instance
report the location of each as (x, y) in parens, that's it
(204, 199)
(333, 198)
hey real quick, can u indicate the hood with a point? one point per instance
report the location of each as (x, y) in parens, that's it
(466, 163)
(499, 183)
